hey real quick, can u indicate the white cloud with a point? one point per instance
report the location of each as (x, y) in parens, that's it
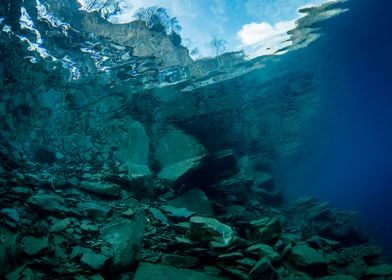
(256, 33)
(264, 38)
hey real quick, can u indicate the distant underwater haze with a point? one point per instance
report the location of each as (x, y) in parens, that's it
(139, 140)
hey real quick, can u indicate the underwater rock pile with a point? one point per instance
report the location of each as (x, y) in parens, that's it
(96, 226)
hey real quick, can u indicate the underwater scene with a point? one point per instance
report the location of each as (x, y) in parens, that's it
(195, 139)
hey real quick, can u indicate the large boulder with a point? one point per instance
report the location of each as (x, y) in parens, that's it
(180, 157)
(125, 239)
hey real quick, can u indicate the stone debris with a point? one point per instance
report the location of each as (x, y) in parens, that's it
(98, 225)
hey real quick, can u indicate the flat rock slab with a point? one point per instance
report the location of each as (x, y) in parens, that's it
(209, 229)
(101, 189)
(48, 202)
(149, 271)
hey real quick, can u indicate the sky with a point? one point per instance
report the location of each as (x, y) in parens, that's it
(255, 26)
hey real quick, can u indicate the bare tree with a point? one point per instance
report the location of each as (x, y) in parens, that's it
(217, 45)
(106, 8)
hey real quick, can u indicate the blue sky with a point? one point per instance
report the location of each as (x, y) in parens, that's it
(253, 25)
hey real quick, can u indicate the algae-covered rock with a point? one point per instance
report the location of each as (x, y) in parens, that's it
(209, 229)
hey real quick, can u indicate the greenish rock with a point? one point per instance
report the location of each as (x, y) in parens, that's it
(94, 210)
(149, 271)
(89, 228)
(4, 261)
(381, 270)
(265, 229)
(246, 262)
(179, 261)
(230, 256)
(125, 239)
(194, 200)
(34, 246)
(176, 212)
(179, 156)
(302, 255)
(60, 225)
(261, 270)
(158, 215)
(17, 274)
(11, 214)
(93, 261)
(209, 229)
(338, 277)
(264, 250)
(21, 190)
(47, 203)
(134, 150)
(101, 189)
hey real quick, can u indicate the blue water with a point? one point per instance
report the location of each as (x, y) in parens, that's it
(350, 162)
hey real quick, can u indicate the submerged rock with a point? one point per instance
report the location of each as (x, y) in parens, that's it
(134, 150)
(33, 246)
(262, 270)
(180, 261)
(93, 261)
(302, 255)
(265, 229)
(194, 200)
(381, 270)
(338, 277)
(48, 202)
(94, 210)
(102, 189)
(209, 229)
(148, 271)
(180, 156)
(125, 239)
(264, 250)
(11, 214)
